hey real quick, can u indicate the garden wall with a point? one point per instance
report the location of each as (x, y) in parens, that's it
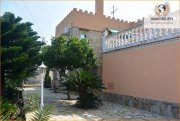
(145, 77)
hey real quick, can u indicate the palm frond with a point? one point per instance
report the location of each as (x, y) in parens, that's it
(42, 114)
(6, 109)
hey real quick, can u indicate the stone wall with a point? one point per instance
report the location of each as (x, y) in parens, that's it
(154, 106)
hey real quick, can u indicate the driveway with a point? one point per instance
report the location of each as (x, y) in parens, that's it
(65, 110)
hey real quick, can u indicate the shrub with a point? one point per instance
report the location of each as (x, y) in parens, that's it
(33, 102)
(87, 84)
(47, 79)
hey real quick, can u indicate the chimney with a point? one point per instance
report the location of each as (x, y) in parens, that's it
(99, 8)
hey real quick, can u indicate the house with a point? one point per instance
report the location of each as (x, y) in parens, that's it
(85, 24)
(139, 66)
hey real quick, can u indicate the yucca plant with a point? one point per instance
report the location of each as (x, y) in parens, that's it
(87, 84)
(43, 114)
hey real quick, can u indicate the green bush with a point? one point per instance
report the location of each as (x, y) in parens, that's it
(33, 102)
(88, 85)
(47, 79)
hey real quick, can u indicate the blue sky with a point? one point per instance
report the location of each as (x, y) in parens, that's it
(47, 14)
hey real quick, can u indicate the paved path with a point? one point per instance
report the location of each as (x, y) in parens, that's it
(64, 109)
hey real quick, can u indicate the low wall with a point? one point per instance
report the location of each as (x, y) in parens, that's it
(146, 72)
(160, 107)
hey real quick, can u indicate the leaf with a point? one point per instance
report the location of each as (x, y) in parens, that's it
(42, 114)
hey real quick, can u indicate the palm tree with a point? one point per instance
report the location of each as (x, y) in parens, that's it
(88, 85)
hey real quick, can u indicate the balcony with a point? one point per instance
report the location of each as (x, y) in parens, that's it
(136, 36)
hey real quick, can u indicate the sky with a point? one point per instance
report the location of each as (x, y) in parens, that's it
(46, 14)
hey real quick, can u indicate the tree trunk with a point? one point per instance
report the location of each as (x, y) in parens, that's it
(60, 75)
(68, 95)
(82, 92)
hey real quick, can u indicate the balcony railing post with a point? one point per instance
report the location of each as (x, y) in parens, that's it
(166, 31)
(132, 35)
(119, 40)
(136, 33)
(160, 32)
(150, 33)
(141, 35)
(145, 34)
(154, 32)
(129, 36)
(122, 39)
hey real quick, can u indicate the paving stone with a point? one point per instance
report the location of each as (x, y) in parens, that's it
(127, 117)
(155, 109)
(64, 109)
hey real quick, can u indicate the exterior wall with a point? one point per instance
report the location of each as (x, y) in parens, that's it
(145, 77)
(90, 21)
(150, 72)
(95, 41)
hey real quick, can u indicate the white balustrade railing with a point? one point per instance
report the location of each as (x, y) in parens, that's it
(136, 36)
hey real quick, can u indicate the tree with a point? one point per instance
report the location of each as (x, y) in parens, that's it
(68, 53)
(79, 54)
(88, 85)
(54, 56)
(20, 51)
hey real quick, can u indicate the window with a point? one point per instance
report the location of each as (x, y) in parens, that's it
(66, 30)
(82, 36)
